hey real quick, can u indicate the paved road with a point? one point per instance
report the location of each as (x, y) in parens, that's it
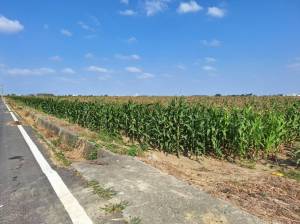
(26, 195)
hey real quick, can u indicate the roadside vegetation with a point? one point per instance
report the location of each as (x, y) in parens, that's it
(246, 129)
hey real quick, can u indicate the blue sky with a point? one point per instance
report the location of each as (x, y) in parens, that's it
(153, 47)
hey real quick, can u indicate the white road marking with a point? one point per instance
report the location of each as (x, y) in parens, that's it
(72, 206)
(1, 206)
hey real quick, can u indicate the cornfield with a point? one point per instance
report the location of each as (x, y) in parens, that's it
(250, 129)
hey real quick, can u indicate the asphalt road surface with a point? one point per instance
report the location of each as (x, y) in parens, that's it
(26, 196)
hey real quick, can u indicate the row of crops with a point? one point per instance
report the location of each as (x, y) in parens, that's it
(182, 128)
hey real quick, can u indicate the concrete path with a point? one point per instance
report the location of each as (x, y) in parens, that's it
(158, 198)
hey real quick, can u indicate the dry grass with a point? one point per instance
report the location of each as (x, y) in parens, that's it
(256, 189)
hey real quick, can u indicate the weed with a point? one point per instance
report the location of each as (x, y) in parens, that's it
(135, 220)
(93, 154)
(250, 164)
(293, 174)
(61, 157)
(56, 142)
(132, 151)
(105, 193)
(115, 208)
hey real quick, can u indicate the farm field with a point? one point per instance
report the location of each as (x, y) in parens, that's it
(246, 127)
(264, 183)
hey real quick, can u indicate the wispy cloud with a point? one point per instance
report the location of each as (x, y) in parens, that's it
(127, 12)
(131, 40)
(128, 57)
(189, 7)
(85, 26)
(216, 12)
(294, 65)
(211, 43)
(10, 26)
(153, 7)
(30, 71)
(89, 55)
(103, 73)
(66, 32)
(210, 59)
(56, 58)
(68, 71)
(125, 1)
(133, 69)
(181, 67)
(145, 75)
(97, 69)
(209, 68)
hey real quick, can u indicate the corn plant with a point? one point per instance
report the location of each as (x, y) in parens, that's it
(246, 129)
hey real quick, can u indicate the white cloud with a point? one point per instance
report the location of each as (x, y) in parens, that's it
(85, 26)
(131, 40)
(146, 75)
(125, 1)
(295, 65)
(188, 7)
(127, 12)
(10, 26)
(210, 59)
(89, 55)
(27, 71)
(154, 6)
(56, 58)
(68, 71)
(211, 43)
(66, 33)
(128, 57)
(209, 68)
(97, 69)
(216, 12)
(132, 69)
(181, 67)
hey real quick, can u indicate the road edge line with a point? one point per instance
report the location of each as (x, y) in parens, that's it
(75, 211)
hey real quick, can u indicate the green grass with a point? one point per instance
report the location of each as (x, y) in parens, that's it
(293, 174)
(132, 151)
(56, 142)
(135, 220)
(250, 164)
(61, 157)
(105, 193)
(115, 207)
(93, 154)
